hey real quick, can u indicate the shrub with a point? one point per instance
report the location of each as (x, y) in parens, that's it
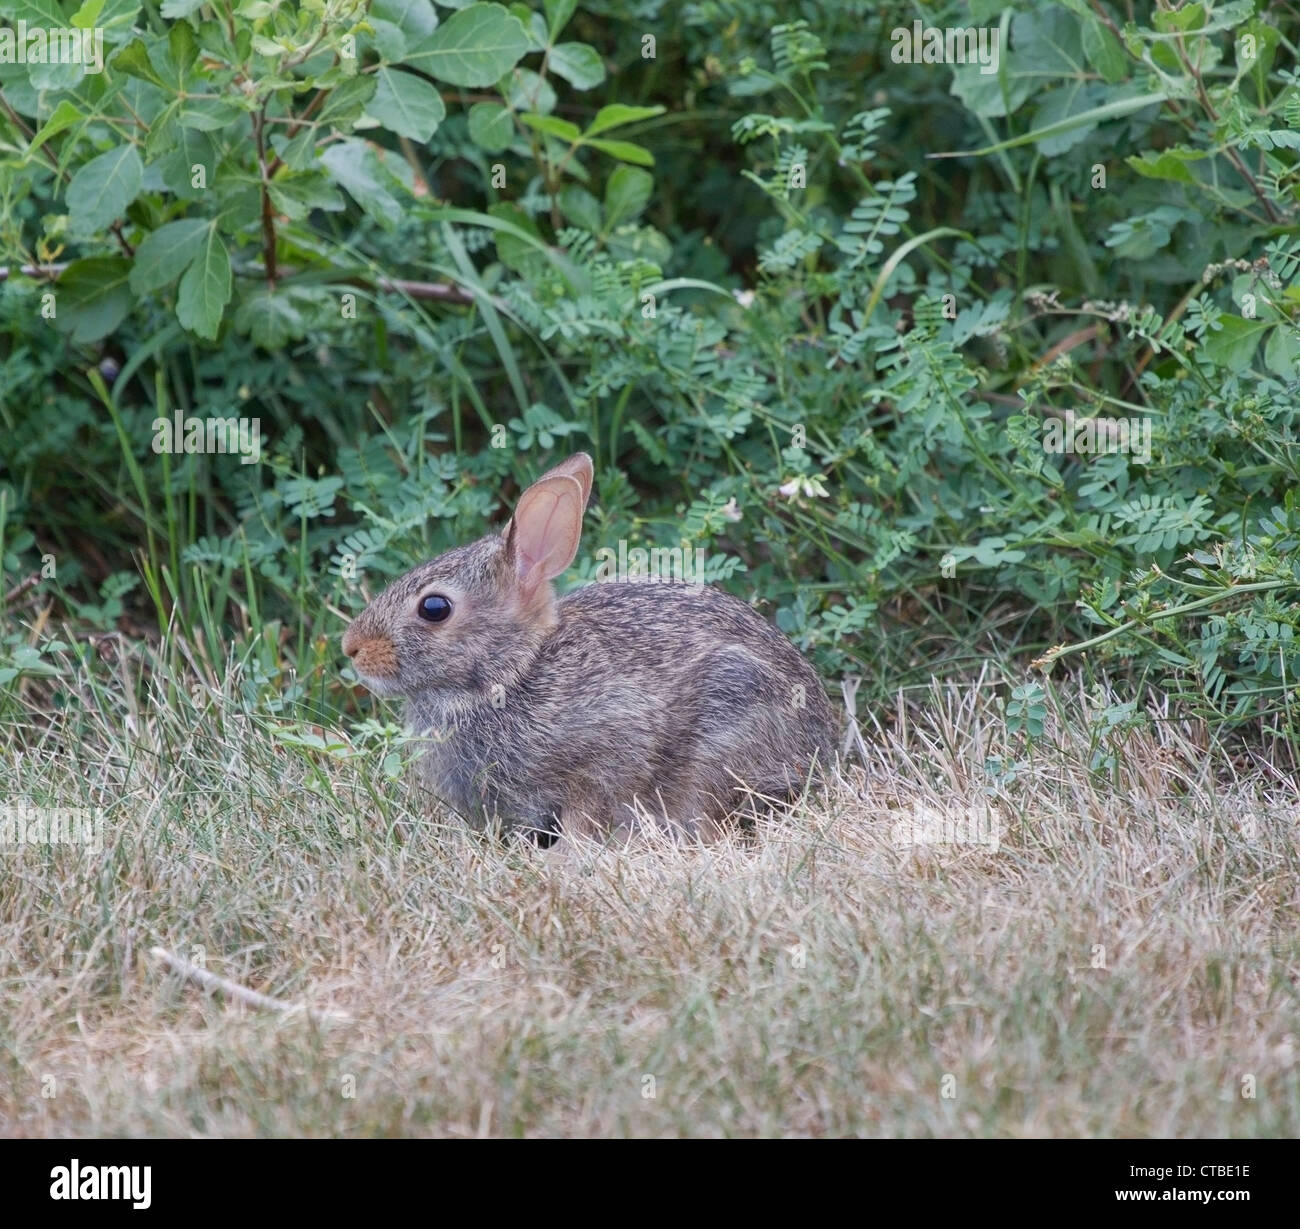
(836, 320)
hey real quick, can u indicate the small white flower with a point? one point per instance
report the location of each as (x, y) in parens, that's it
(730, 511)
(744, 297)
(810, 486)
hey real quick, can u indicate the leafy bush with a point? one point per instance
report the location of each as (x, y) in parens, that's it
(816, 311)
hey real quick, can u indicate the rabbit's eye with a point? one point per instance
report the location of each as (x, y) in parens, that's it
(434, 608)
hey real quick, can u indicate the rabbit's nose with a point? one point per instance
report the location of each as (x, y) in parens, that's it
(350, 644)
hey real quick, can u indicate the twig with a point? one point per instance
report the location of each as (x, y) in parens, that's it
(20, 588)
(297, 122)
(1064, 650)
(443, 292)
(49, 272)
(210, 981)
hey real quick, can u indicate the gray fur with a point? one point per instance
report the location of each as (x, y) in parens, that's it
(590, 712)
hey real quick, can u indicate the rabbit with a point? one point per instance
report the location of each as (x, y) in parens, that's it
(615, 707)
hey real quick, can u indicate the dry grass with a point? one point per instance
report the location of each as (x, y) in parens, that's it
(813, 977)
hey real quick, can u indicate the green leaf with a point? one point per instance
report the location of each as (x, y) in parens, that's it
(352, 165)
(274, 49)
(580, 207)
(406, 104)
(347, 101)
(1258, 67)
(626, 195)
(87, 15)
(558, 13)
(207, 114)
(1282, 353)
(491, 126)
(171, 60)
(298, 153)
(415, 19)
(54, 78)
(92, 297)
(525, 90)
(134, 60)
(517, 247)
(1189, 17)
(205, 288)
(182, 47)
(474, 47)
(388, 40)
(579, 64)
(46, 13)
(553, 126)
(297, 195)
(1170, 164)
(37, 12)
(984, 94)
(102, 189)
(189, 148)
(64, 116)
(1104, 51)
(1140, 236)
(272, 318)
(166, 253)
(625, 151)
(239, 203)
(1045, 47)
(173, 9)
(115, 17)
(617, 114)
(1060, 105)
(1234, 343)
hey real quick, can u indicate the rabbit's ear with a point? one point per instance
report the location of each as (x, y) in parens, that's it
(546, 527)
(577, 466)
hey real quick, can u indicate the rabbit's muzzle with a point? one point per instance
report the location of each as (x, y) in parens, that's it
(373, 656)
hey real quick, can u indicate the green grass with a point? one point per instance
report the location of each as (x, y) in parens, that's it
(813, 977)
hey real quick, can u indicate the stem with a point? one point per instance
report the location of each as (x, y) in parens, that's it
(268, 214)
(1233, 156)
(1064, 650)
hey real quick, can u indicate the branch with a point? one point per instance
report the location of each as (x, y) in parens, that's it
(242, 994)
(443, 292)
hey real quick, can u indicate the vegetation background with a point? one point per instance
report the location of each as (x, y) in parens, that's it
(812, 310)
